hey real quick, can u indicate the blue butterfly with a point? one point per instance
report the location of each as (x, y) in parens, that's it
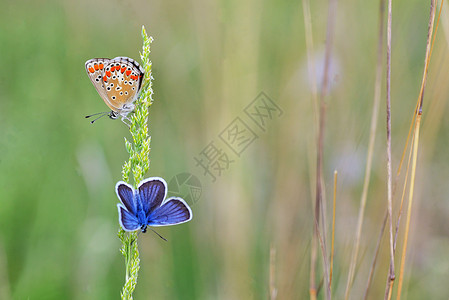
(146, 205)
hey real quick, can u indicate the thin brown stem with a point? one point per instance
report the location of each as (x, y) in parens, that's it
(317, 236)
(333, 229)
(311, 67)
(391, 275)
(320, 142)
(416, 144)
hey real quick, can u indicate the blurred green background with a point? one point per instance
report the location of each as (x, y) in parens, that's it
(58, 215)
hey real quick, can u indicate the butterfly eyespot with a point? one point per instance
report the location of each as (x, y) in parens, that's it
(122, 71)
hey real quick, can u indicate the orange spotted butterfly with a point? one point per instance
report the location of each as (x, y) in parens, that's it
(118, 81)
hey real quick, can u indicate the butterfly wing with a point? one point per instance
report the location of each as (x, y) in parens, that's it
(95, 70)
(171, 212)
(149, 199)
(122, 82)
(136, 68)
(152, 192)
(127, 209)
(126, 195)
(128, 221)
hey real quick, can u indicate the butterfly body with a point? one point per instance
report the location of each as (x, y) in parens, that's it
(147, 206)
(140, 213)
(118, 82)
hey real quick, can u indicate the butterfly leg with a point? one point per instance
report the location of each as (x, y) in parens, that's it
(127, 124)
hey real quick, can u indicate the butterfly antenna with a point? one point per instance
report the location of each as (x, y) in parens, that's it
(158, 234)
(100, 113)
(105, 113)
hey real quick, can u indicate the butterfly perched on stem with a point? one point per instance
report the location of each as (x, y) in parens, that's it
(147, 206)
(118, 81)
